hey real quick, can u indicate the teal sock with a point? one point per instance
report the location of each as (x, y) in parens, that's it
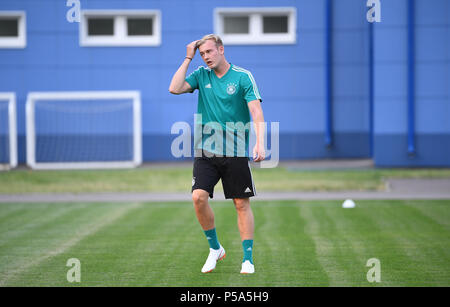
(247, 246)
(211, 235)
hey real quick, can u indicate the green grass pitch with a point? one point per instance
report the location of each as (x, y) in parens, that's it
(297, 243)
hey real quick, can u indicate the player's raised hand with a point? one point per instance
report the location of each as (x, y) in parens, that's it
(191, 48)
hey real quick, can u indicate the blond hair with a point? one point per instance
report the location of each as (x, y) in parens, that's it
(212, 37)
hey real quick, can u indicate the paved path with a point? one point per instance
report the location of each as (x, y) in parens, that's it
(396, 189)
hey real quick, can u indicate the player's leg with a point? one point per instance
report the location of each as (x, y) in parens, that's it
(205, 177)
(246, 225)
(245, 219)
(238, 184)
(203, 211)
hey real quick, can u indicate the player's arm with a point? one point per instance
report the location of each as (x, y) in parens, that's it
(256, 111)
(178, 85)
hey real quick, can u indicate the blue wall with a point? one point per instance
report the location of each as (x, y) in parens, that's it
(291, 78)
(431, 65)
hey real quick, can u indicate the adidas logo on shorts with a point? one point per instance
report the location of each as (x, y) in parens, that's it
(247, 190)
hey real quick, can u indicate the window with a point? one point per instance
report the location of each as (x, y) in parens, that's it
(100, 26)
(9, 27)
(275, 24)
(258, 25)
(120, 28)
(236, 25)
(140, 26)
(12, 29)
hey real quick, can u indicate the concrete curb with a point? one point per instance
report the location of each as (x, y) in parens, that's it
(396, 189)
(162, 197)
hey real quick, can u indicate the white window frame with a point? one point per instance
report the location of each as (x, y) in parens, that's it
(256, 36)
(12, 126)
(120, 37)
(21, 40)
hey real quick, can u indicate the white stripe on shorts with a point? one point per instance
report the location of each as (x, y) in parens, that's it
(251, 176)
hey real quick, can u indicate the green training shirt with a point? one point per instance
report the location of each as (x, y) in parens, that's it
(223, 115)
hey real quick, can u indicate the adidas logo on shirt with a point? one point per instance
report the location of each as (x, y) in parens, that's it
(208, 85)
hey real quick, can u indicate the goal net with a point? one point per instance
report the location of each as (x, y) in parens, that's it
(80, 130)
(8, 131)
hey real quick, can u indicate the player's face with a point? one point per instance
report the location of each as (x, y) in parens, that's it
(211, 54)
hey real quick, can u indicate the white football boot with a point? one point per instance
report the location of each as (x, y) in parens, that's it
(214, 256)
(247, 267)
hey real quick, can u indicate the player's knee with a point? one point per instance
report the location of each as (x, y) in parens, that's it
(241, 204)
(199, 197)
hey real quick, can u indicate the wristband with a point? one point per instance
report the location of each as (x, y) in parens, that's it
(188, 58)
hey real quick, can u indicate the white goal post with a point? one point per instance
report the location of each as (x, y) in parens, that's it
(9, 99)
(59, 109)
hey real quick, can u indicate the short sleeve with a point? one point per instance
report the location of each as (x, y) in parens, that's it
(193, 78)
(251, 91)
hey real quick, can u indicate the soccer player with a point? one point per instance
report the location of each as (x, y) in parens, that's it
(227, 96)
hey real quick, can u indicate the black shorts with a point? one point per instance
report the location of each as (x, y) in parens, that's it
(235, 172)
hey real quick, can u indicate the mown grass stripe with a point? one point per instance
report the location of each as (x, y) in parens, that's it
(303, 269)
(29, 245)
(352, 247)
(440, 213)
(426, 243)
(177, 246)
(137, 251)
(91, 228)
(332, 248)
(297, 243)
(403, 249)
(367, 239)
(7, 210)
(24, 223)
